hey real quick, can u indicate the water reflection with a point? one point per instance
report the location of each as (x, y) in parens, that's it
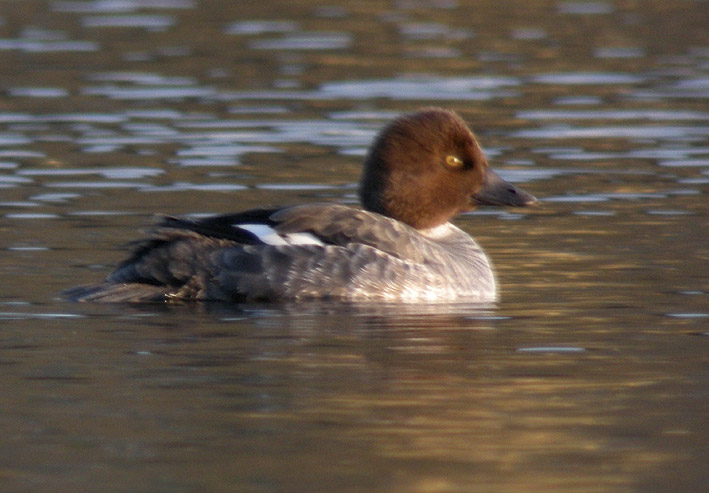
(585, 8)
(43, 46)
(305, 41)
(423, 88)
(150, 22)
(122, 6)
(673, 133)
(383, 315)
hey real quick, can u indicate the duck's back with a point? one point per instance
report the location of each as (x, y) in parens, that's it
(303, 252)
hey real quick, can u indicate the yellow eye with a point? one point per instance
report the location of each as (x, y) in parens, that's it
(453, 161)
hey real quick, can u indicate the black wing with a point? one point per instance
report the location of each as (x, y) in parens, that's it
(224, 226)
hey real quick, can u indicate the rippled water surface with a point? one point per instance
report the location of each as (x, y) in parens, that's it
(589, 375)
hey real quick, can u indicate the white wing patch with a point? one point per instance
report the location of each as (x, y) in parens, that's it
(269, 236)
(302, 239)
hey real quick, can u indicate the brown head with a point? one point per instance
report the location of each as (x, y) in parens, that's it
(426, 167)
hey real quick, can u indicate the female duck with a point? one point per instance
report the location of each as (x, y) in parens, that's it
(423, 169)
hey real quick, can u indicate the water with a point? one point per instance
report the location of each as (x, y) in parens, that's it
(589, 375)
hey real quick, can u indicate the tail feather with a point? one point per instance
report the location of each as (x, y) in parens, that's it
(117, 293)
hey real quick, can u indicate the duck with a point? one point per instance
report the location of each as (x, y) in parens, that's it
(423, 169)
